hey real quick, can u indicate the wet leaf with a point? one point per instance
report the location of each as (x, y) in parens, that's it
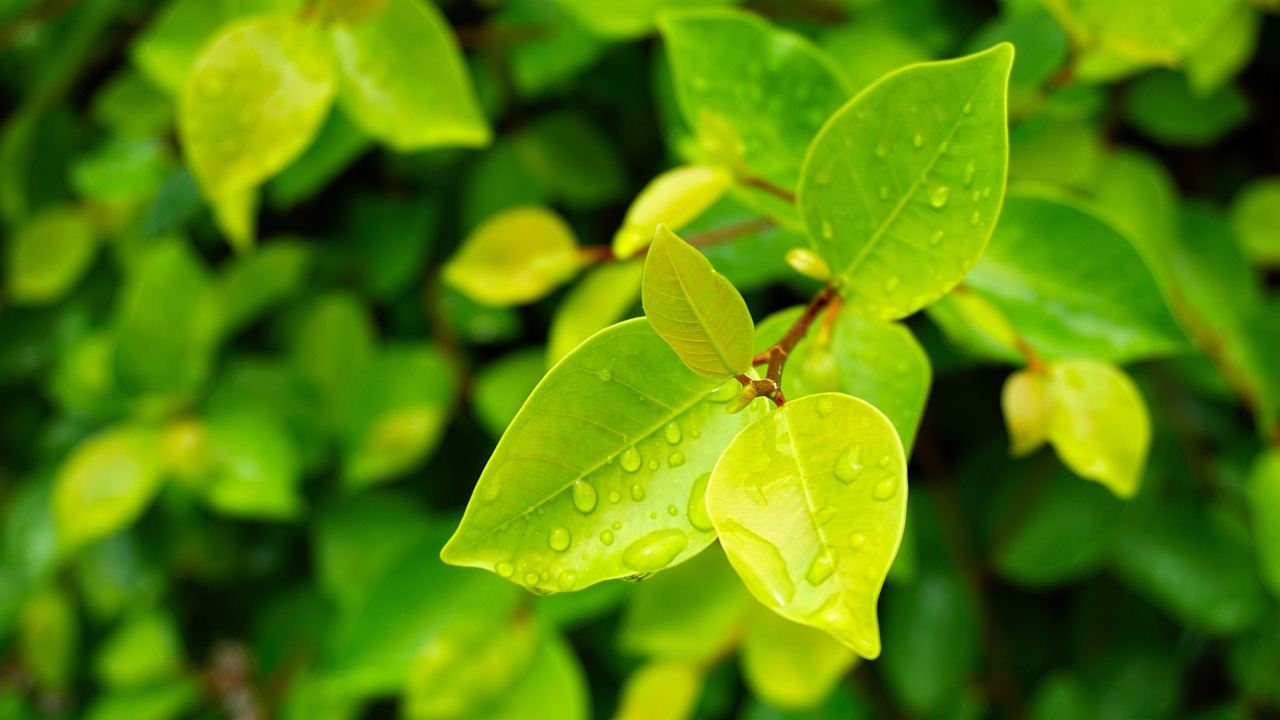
(514, 258)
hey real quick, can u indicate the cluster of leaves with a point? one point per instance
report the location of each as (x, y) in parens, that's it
(265, 257)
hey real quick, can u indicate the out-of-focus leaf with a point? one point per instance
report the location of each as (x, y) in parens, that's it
(132, 107)
(1041, 47)
(1255, 216)
(48, 255)
(549, 59)
(253, 284)
(123, 170)
(610, 446)
(696, 310)
(675, 198)
(600, 299)
(571, 158)
(924, 150)
(1264, 515)
(627, 18)
(1162, 106)
(841, 704)
(1099, 424)
(501, 387)
(1225, 51)
(1027, 411)
(789, 665)
(337, 146)
(515, 257)
(334, 343)
(105, 484)
(867, 50)
(930, 640)
(555, 679)
(357, 540)
(404, 81)
(145, 648)
(1065, 153)
(809, 502)
(49, 638)
(170, 700)
(661, 690)
(256, 468)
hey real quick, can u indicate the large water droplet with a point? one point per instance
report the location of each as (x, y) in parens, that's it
(504, 569)
(655, 550)
(584, 496)
(676, 459)
(938, 198)
(637, 493)
(697, 509)
(820, 569)
(672, 433)
(969, 171)
(885, 489)
(606, 537)
(531, 578)
(891, 284)
(766, 575)
(918, 140)
(559, 539)
(936, 238)
(849, 466)
(884, 192)
(567, 580)
(630, 459)
(614, 496)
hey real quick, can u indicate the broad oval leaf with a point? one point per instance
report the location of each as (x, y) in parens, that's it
(788, 665)
(255, 99)
(1073, 286)
(810, 503)
(48, 256)
(695, 309)
(404, 81)
(675, 198)
(754, 95)
(256, 468)
(106, 484)
(902, 187)
(602, 473)
(1098, 423)
(1025, 403)
(514, 257)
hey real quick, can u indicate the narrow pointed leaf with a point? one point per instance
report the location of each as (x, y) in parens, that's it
(695, 309)
(1098, 423)
(602, 473)
(810, 503)
(902, 187)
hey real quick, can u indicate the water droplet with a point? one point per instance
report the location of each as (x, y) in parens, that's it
(672, 433)
(606, 537)
(936, 239)
(857, 540)
(504, 569)
(545, 576)
(825, 406)
(884, 192)
(885, 489)
(695, 433)
(604, 375)
(653, 465)
(849, 466)
(653, 516)
(630, 459)
(820, 569)
(883, 461)
(697, 510)
(975, 218)
(969, 171)
(559, 539)
(986, 192)
(882, 151)
(918, 140)
(637, 493)
(672, 510)
(617, 525)
(968, 108)
(614, 496)
(726, 392)
(655, 550)
(976, 196)
(891, 284)
(767, 576)
(827, 231)
(567, 580)
(531, 578)
(584, 496)
(676, 459)
(938, 198)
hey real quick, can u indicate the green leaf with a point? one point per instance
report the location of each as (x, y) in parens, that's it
(1025, 403)
(602, 298)
(336, 147)
(692, 613)
(49, 638)
(753, 94)
(930, 642)
(661, 690)
(1255, 216)
(1163, 107)
(144, 648)
(550, 61)
(788, 665)
(809, 502)
(1073, 286)
(1120, 37)
(628, 18)
(123, 171)
(358, 539)
(879, 362)
(334, 342)
(516, 257)
(607, 460)
(1225, 51)
(399, 406)
(105, 484)
(867, 50)
(572, 159)
(500, 388)
(167, 701)
(1263, 493)
(1066, 153)
(696, 310)
(675, 198)
(256, 98)
(256, 468)
(255, 283)
(404, 81)
(1098, 423)
(49, 255)
(902, 187)
(555, 679)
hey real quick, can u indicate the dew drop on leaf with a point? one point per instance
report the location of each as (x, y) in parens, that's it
(938, 198)
(969, 170)
(655, 550)
(614, 496)
(617, 525)
(504, 569)
(918, 140)
(676, 459)
(849, 467)
(767, 575)
(885, 489)
(559, 539)
(820, 569)
(630, 459)
(567, 580)
(584, 496)
(883, 461)
(936, 238)
(531, 578)
(653, 464)
(672, 510)
(697, 509)
(975, 218)
(606, 537)
(884, 192)
(672, 433)
(637, 492)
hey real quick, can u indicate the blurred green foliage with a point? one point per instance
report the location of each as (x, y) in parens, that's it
(278, 274)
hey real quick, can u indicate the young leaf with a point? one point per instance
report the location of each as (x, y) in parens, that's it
(1264, 515)
(810, 502)
(255, 99)
(1121, 37)
(404, 81)
(1025, 402)
(106, 484)
(1255, 216)
(675, 198)
(695, 309)
(902, 187)
(788, 665)
(602, 473)
(514, 258)
(1098, 423)
(48, 256)
(602, 298)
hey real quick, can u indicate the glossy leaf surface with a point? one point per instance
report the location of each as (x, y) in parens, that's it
(695, 309)
(404, 81)
(903, 186)
(810, 502)
(599, 476)
(515, 257)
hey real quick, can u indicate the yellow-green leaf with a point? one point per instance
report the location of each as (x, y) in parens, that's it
(514, 257)
(1264, 516)
(661, 691)
(255, 99)
(1255, 215)
(791, 666)
(106, 484)
(902, 187)
(1120, 37)
(1025, 401)
(404, 81)
(602, 297)
(1098, 423)
(695, 309)
(675, 198)
(48, 256)
(810, 503)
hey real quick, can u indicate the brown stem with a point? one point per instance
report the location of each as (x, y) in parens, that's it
(760, 183)
(776, 356)
(490, 37)
(706, 238)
